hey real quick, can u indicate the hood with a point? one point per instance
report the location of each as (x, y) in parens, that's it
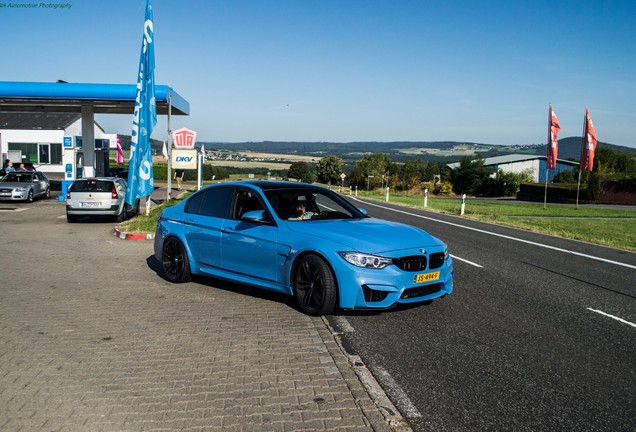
(12, 185)
(367, 235)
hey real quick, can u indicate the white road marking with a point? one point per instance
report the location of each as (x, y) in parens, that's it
(506, 237)
(400, 397)
(17, 210)
(613, 317)
(466, 261)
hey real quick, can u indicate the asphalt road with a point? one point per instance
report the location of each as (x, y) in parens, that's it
(539, 334)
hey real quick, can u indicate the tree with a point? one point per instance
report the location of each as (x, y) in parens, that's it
(608, 161)
(505, 183)
(373, 169)
(412, 174)
(301, 172)
(329, 169)
(471, 176)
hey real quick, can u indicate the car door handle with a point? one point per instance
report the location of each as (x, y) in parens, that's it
(188, 221)
(227, 229)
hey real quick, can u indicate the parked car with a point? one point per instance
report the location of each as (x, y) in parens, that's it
(113, 171)
(250, 232)
(24, 186)
(99, 196)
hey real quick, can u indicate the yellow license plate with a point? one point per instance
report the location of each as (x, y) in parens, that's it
(426, 277)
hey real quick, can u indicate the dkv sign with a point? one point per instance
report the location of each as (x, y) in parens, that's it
(184, 159)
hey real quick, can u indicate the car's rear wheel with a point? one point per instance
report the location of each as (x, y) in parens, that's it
(174, 261)
(123, 215)
(71, 218)
(314, 286)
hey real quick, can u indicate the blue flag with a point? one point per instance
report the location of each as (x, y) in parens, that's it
(140, 172)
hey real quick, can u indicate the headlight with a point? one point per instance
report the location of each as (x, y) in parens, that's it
(366, 260)
(20, 189)
(446, 254)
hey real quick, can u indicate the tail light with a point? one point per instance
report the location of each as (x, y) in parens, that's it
(113, 193)
(68, 195)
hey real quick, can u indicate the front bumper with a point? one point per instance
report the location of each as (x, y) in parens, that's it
(385, 288)
(14, 195)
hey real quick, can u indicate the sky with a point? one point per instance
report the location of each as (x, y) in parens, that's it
(348, 70)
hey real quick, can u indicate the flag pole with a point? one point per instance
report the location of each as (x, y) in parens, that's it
(547, 166)
(578, 187)
(169, 151)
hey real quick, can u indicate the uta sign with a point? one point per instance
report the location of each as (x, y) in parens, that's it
(184, 138)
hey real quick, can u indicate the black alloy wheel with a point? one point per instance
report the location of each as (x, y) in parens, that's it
(174, 261)
(47, 193)
(30, 196)
(314, 286)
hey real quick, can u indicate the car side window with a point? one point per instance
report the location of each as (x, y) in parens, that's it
(210, 202)
(194, 203)
(245, 201)
(216, 202)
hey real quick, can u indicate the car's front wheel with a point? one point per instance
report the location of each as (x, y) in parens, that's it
(30, 196)
(174, 261)
(47, 193)
(314, 286)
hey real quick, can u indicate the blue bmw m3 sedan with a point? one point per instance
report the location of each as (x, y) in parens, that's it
(302, 240)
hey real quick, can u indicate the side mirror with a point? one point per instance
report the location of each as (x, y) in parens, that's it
(362, 210)
(254, 216)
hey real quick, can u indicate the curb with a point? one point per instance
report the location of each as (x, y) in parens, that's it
(379, 411)
(132, 236)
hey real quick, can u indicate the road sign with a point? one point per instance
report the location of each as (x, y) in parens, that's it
(184, 138)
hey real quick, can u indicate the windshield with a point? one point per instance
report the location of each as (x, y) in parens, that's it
(92, 186)
(18, 177)
(310, 204)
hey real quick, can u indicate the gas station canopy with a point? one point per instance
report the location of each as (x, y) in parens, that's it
(87, 99)
(70, 97)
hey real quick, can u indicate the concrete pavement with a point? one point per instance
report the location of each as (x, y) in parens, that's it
(93, 339)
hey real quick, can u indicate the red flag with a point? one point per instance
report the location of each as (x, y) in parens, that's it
(589, 143)
(120, 152)
(553, 144)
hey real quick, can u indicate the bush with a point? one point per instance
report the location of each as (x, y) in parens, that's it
(210, 172)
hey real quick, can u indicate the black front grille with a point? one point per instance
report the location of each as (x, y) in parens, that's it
(411, 263)
(371, 296)
(421, 291)
(436, 260)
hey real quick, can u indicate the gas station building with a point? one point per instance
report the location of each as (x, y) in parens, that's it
(48, 124)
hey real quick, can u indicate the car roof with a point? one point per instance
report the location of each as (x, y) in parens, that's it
(266, 185)
(97, 178)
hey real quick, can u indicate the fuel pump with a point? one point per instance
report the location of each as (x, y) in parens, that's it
(72, 160)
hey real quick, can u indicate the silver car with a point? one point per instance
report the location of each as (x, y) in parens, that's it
(24, 186)
(100, 196)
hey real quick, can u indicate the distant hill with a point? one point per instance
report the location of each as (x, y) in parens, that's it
(402, 151)
(570, 148)
(398, 151)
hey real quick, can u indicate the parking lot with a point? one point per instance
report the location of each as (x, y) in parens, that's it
(93, 339)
